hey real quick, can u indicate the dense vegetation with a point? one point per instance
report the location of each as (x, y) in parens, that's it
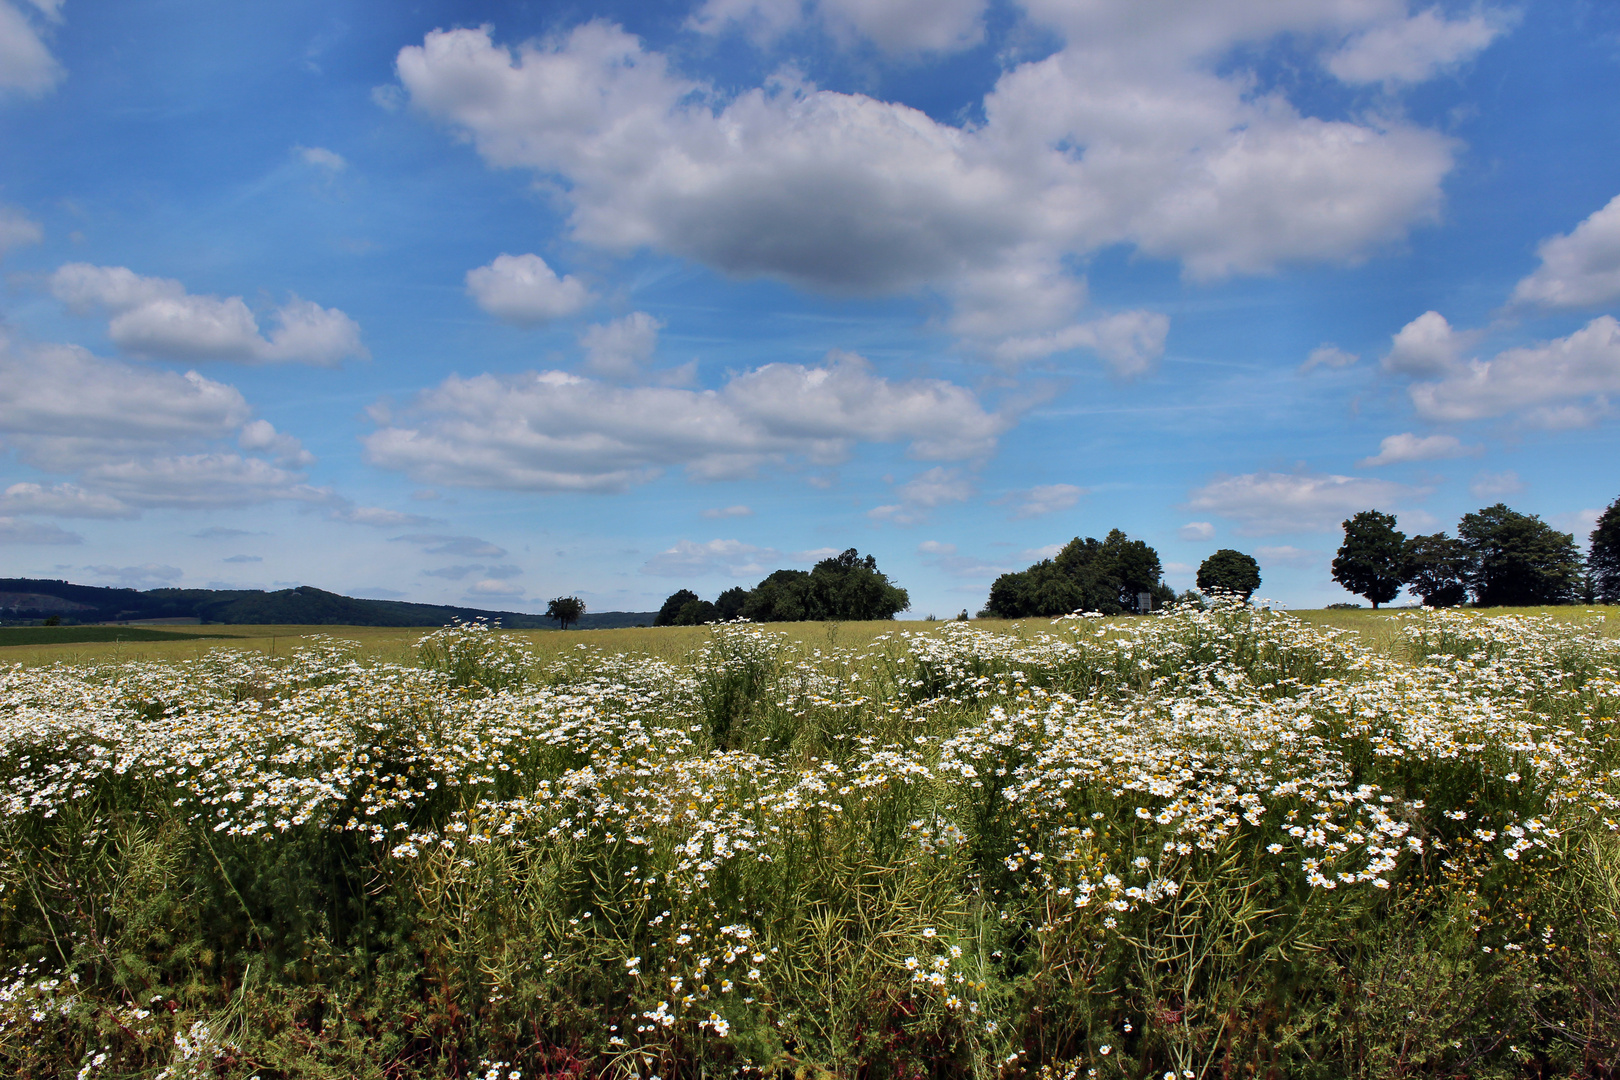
(844, 587)
(1209, 843)
(1105, 576)
(1499, 558)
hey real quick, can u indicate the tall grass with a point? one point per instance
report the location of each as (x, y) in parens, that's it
(1217, 843)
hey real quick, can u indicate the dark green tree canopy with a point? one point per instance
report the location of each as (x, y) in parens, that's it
(844, 587)
(1518, 560)
(672, 607)
(1371, 560)
(729, 604)
(1603, 561)
(1087, 575)
(1436, 566)
(565, 609)
(1229, 571)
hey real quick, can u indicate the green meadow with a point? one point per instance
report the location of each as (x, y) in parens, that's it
(1232, 842)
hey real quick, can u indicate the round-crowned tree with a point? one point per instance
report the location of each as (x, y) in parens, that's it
(1436, 567)
(1372, 559)
(1229, 571)
(1518, 560)
(565, 609)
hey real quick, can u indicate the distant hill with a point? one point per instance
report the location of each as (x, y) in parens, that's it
(32, 599)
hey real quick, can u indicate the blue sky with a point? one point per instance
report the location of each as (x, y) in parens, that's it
(488, 303)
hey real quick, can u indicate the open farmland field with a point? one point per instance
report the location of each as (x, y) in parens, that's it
(1219, 843)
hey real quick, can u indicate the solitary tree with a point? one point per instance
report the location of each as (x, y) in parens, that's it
(1230, 572)
(565, 609)
(1436, 567)
(1371, 560)
(1603, 562)
(1518, 560)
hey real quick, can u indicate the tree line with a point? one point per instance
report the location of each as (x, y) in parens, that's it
(1499, 558)
(844, 587)
(1112, 576)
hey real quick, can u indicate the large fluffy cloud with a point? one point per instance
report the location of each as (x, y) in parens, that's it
(64, 408)
(1579, 270)
(134, 436)
(1267, 503)
(156, 317)
(553, 431)
(1133, 133)
(1565, 382)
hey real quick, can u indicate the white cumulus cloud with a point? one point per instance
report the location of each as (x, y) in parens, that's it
(1425, 346)
(26, 63)
(1397, 449)
(554, 431)
(1414, 49)
(1266, 503)
(1565, 382)
(262, 435)
(62, 407)
(1124, 135)
(1196, 530)
(523, 289)
(1579, 270)
(1328, 356)
(619, 349)
(1130, 342)
(62, 500)
(154, 316)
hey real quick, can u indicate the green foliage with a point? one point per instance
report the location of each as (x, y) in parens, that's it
(1436, 568)
(1087, 575)
(671, 609)
(1518, 560)
(845, 587)
(1603, 558)
(1371, 561)
(475, 655)
(1230, 572)
(565, 610)
(1213, 842)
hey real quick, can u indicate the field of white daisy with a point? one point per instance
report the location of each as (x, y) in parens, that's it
(1198, 844)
